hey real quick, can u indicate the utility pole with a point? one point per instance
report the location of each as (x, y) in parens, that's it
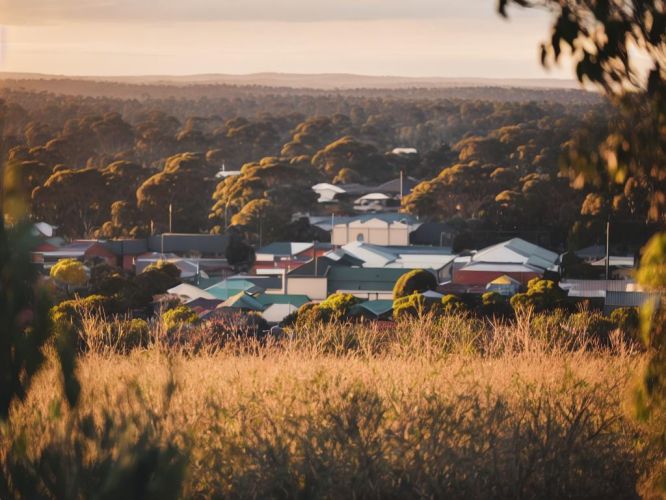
(260, 231)
(607, 249)
(402, 174)
(314, 247)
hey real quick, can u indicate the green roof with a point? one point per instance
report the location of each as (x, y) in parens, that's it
(243, 301)
(228, 288)
(377, 307)
(268, 299)
(363, 278)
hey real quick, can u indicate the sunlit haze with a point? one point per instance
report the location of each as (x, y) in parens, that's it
(448, 38)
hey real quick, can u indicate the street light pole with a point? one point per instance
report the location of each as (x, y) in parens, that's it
(170, 218)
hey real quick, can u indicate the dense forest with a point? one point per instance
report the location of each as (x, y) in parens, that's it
(491, 161)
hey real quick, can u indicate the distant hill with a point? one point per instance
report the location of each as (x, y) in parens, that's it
(265, 84)
(330, 81)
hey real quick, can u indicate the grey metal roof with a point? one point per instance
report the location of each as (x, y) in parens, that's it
(184, 243)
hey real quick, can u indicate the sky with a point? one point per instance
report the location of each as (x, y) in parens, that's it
(447, 38)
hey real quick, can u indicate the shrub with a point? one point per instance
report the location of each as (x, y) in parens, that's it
(597, 326)
(627, 319)
(69, 273)
(541, 295)
(179, 316)
(452, 304)
(494, 304)
(135, 333)
(418, 280)
(72, 311)
(339, 304)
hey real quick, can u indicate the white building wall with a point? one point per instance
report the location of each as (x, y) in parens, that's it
(315, 288)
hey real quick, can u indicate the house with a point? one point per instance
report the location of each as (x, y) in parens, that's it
(597, 288)
(275, 313)
(437, 259)
(327, 192)
(288, 255)
(616, 300)
(227, 288)
(82, 250)
(188, 269)
(377, 230)
(374, 309)
(365, 283)
(243, 301)
(504, 285)
(310, 279)
(392, 190)
(516, 258)
(189, 245)
(187, 293)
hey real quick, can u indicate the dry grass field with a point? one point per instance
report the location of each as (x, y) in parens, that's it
(435, 408)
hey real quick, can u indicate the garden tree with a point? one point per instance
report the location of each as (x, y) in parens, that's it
(541, 295)
(74, 200)
(606, 38)
(263, 219)
(458, 190)
(268, 183)
(33, 174)
(349, 153)
(123, 178)
(415, 305)
(179, 316)
(25, 324)
(125, 221)
(37, 134)
(238, 253)
(452, 304)
(156, 279)
(69, 273)
(338, 305)
(155, 136)
(417, 280)
(314, 134)
(494, 304)
(113, 134)
(481, 149)
(183, 184)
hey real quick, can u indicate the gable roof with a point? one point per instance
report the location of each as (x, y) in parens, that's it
(404, 257)
(242, 300)
(228, 288)
(284, 248)
(376, 307)
(362, 278)
(505, 280)
(517, 251)
(183, 243)
(268, 299)
(190, 292)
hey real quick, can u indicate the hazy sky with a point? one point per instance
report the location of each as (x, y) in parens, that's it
(454, 38)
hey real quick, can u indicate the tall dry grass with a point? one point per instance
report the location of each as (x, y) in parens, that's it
(449, 407)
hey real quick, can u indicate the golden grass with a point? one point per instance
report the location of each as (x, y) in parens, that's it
(342, 411)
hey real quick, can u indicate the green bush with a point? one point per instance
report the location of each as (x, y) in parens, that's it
(71, 311)
(627, 319)
(541, 295)
(452, 304)
(494, 304)
(418, 280)
(339, 304)
(179, 316)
